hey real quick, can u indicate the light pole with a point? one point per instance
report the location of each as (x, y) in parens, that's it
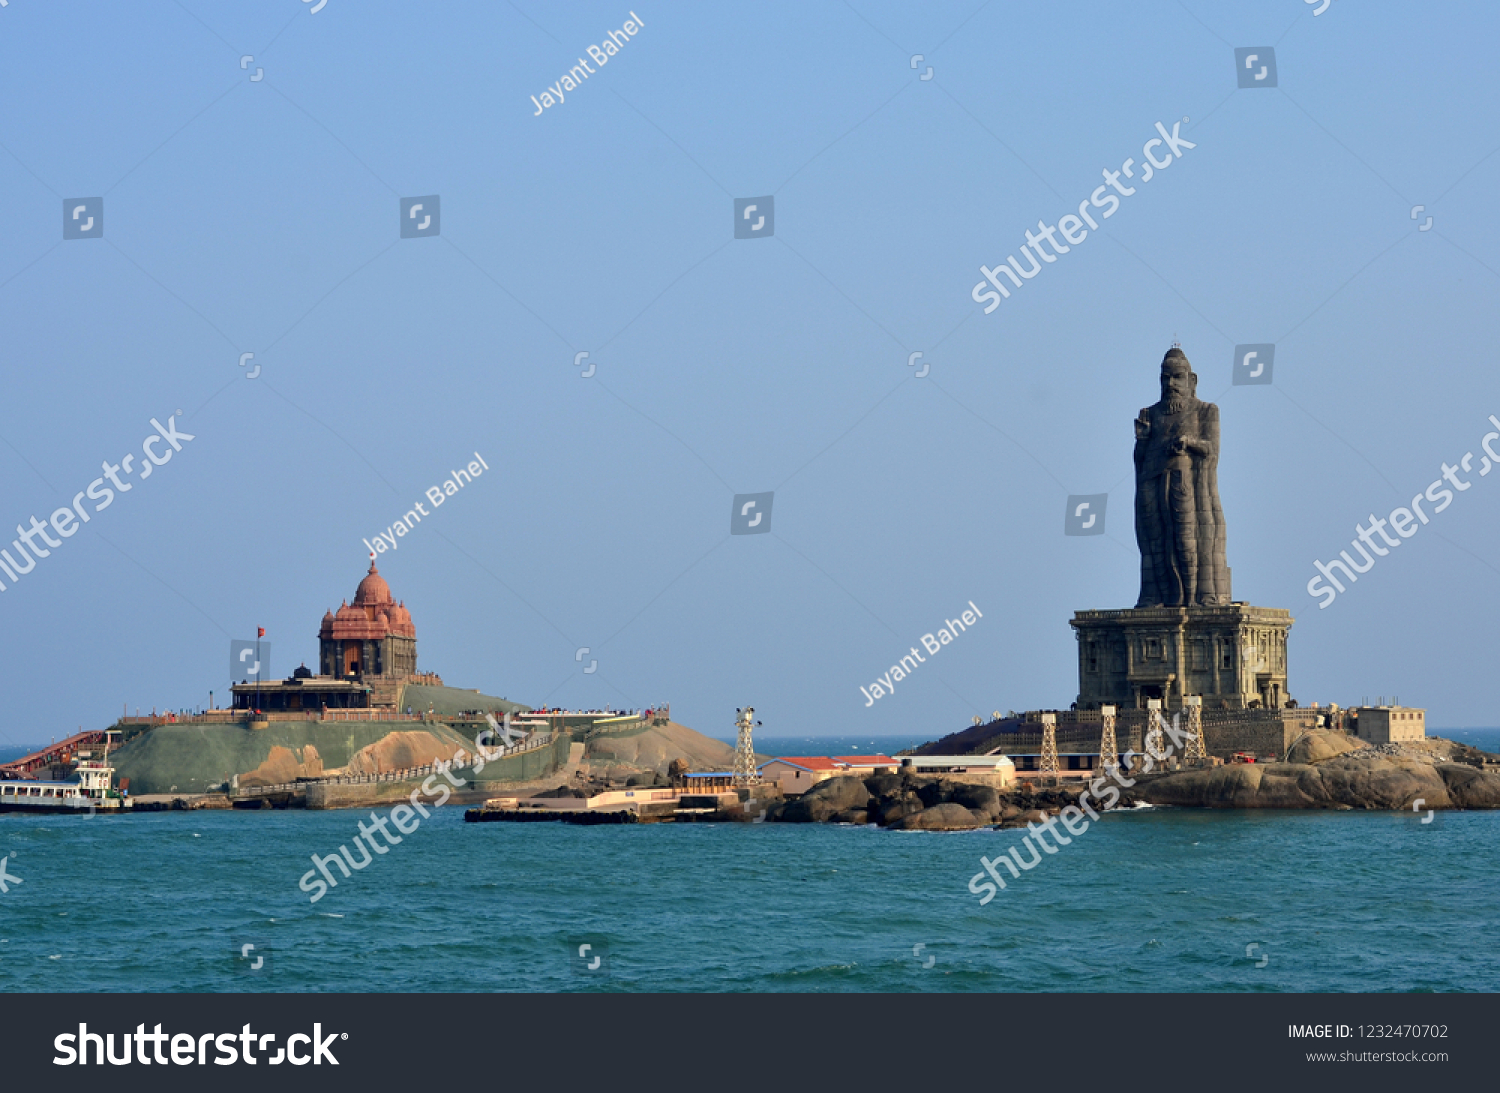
(260, 632)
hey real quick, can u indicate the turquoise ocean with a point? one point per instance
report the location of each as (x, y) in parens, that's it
(1145, 900)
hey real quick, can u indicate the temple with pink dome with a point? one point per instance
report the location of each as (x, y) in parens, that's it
(369, 639)
(367, 653)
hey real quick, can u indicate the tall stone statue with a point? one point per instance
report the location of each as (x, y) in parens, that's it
(1179, 523)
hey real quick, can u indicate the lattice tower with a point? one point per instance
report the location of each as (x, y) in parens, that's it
(1197, 747)
(1109, 751)
(1156, 744)
(745, 772)
(1049, 748)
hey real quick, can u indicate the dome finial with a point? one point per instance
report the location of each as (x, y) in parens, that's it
(372, 590)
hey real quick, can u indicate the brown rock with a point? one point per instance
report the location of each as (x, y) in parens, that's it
(1354, 779)
(887, 812)
(979, 798)
(852, 816)
(398, 751)
(1470, 788)
(843, 792)
(1321, 744)
(284, 765)
(656, 747)
(940, 817)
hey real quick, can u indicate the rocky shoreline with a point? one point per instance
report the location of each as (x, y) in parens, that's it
(1328, 770)
(1325, 770)
(912, 802)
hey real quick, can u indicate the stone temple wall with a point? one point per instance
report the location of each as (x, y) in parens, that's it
(1270, 737)
(1231, 655)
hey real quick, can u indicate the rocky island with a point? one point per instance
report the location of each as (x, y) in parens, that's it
(1325, 770)
(1335, 771)
(903, 801)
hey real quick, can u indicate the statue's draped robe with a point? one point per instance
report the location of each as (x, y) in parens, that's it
(1179, 523)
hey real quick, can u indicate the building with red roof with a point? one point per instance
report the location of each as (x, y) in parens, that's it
(870, 761)
(799, 773)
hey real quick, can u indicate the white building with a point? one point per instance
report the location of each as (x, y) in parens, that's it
(999, 767)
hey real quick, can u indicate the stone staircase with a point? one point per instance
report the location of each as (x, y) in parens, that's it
(386, 693)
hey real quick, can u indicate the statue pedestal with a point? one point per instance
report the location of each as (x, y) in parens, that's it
(1231, 655)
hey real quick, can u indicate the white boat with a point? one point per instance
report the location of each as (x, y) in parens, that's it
(87, 792)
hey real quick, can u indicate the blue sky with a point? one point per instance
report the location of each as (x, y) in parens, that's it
(261, 216)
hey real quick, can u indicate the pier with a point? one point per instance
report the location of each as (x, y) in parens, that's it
(58, 754)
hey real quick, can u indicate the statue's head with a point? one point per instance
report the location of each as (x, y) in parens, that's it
(1178, 381)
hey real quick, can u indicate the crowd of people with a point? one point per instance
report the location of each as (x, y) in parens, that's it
(546, 711)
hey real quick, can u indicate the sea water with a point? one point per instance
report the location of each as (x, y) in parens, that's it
(1145, 900)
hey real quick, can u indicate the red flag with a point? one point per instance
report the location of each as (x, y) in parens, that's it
(260, 631)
